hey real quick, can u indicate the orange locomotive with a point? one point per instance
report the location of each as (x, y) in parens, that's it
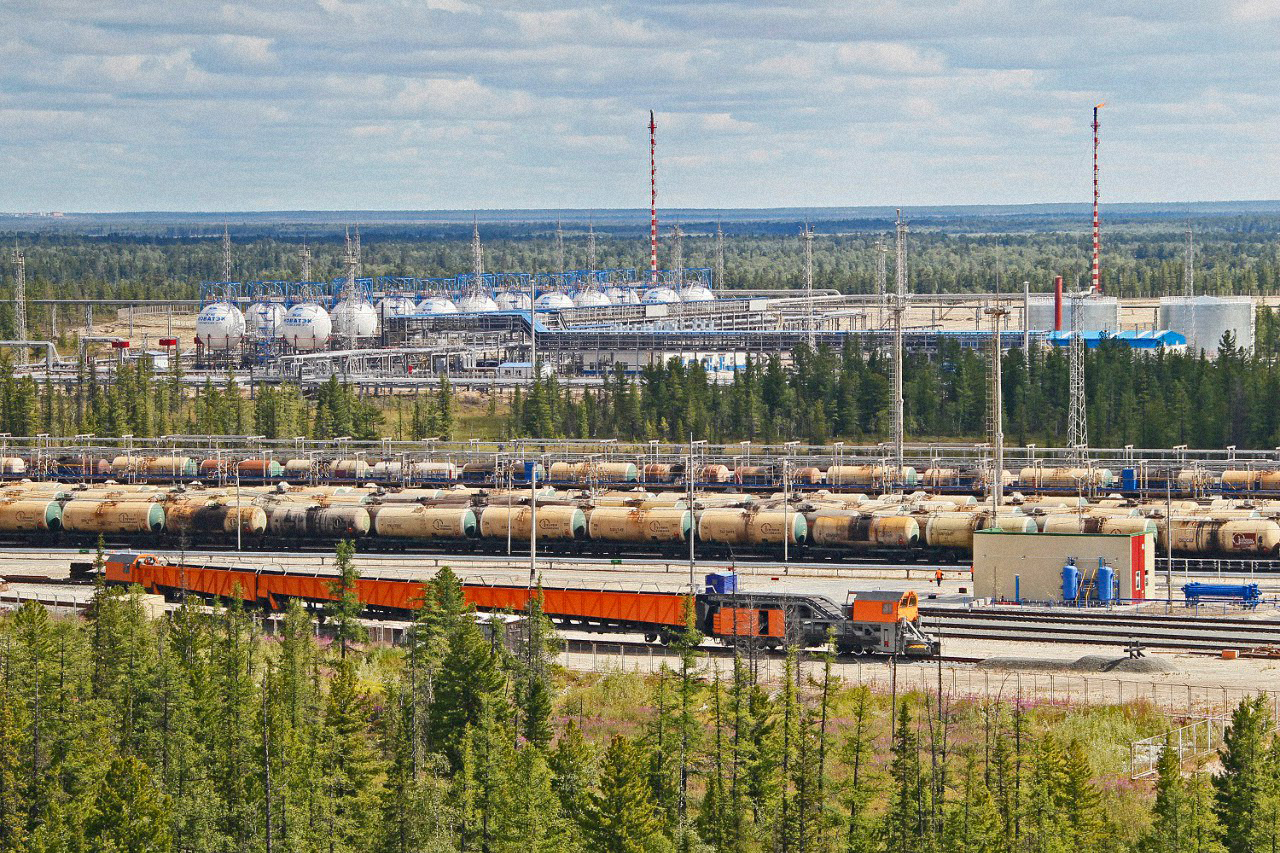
(872, 622)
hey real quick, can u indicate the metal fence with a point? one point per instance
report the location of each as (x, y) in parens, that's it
(1194, 740)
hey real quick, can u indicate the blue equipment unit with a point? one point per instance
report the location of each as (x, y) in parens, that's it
(1106, 583)
(1247, 594)
(1070, 582)
(1129, 479)
(722, 583)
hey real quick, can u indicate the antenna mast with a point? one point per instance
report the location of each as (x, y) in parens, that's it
(477, 258)
(653, 201)
(591, 248)
(719, 282)
(899, 306)
(677, 255)
(306, 262)
(559, 247)
(1189, 267)
(807, 236)
(20, 295)
(226, 253)
(1097, 279)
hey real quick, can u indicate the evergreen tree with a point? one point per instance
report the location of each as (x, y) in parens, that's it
(620, 816)
(344, 611)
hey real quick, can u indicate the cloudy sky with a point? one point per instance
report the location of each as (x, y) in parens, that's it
(110, 105)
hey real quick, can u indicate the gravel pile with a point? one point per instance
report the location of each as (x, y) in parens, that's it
(1086, 664)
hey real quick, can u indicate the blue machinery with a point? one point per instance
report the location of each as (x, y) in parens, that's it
(1245, 594)
(1099, 588)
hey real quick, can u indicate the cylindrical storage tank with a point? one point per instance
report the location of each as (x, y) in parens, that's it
(122, 466)
(1256, 537)
(306, 327)
(1269, 481)
(659, 296)
(809, 476)
(423, 522)
(444, 471)
(1096, 314)
(554, 522)
(850, 528)
(715, 474)
(728, 526)
(268, 469)
(298, 520)
(753, 474)
(188, 516)
(220, 326)
(1203, 320)
(935, 478)
(28, 514)
(952, 530)
(1070, 583)
(658, 472)
(1080, 523)
(1106, 584)
(354, 318)
(591, 299)
(264, 320)
(299, 468)
(851, 475)
(88, 516)
(622, 524)
(350, 469)
(1194, 479)
(12, 466)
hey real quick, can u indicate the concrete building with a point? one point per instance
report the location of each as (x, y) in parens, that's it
(1030, 567)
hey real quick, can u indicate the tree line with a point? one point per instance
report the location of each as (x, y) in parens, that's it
(195, 732)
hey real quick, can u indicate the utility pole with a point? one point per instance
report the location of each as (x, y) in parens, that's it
(899, 306)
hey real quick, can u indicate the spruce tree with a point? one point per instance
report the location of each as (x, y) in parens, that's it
(344, 611)
(620, 816)
(1246, 777)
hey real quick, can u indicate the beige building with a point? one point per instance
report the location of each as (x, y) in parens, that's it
(1030, 566)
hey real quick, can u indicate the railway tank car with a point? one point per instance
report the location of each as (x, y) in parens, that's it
(557, 522)
(857, 532)
(29, 515)
(109, 517)
(664, 525)
(416, 521)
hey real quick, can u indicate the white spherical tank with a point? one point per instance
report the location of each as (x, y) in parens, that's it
(696, 293)
(553, 301)
(220, 326)
(623, 295)
(660, 296)
(306, 327)
(355, 318)
(263, 320)
(436, 305)
(508, 301)
(476, 304)
(591, 299)
(396, 306)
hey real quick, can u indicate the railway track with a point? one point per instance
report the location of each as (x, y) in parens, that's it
(1154, 631)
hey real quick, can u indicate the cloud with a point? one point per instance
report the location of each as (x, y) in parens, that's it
(250, 104)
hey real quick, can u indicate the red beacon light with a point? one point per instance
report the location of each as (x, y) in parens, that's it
(168, 342)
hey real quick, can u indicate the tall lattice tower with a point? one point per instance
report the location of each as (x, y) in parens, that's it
(719, 282)
(807, 236)
(559, 247)
(20, 293)
(997, 311)
(1189, 267)
(1097, 277)
(1077, 415)
(226, 253)
(591, 247)
(899, 306)
(306, 262)
(653, 201)
(477, 260)
(677, 254)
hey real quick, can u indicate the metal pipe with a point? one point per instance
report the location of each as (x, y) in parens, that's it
(50, 351)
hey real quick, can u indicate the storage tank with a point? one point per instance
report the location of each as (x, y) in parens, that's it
(299, 468)
(659, 472)
(584, 472)
(1105, 583)
(623, 524)
(955, 530)
(1081, 523)
(508, 301)
(30, 514)
(659, 296)
(696, 293)
(395, 306)
(220, 326)
(1070, 582)
(622, 295)
(437, 305)
(590, 299)
(423, 522)
(167, 466)
(868, 475)
(202, 516)
(476, 303)
(1204, 320)
(553, 301)
(849, 528)
(125, 516)
(1067, 479)
(306, 327)
(1241, 480)
(264, 320)
(354, 318)
(12, 466)
(751, 527)
(1096, 313)
(268, 469)
(350, 469)
(554, 522)
(715, 474)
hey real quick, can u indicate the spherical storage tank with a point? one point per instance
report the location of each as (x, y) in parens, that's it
(696, 293)
(220, 326)
(306, 327)
(622, 295)
(476, 304)
(553, 301)
(436, 305)
(355, 318)
(590, 299)
(508, 301)
(263, 320)
(660, 296)
(396, 306)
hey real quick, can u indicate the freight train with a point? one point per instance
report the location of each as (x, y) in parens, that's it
(871, 622)
(812, 526)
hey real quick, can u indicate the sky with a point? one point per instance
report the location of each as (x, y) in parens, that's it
(200, 105)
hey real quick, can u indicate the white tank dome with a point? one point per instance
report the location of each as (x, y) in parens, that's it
(306, 327)
(696, 293)
(591, 299)
(220, 326)
(508, 301)
(553, 301)
(622, 295)
(477, 304)
(396, 306)
(436, 305)
(660, 295)
(355, 318)
(263, 320)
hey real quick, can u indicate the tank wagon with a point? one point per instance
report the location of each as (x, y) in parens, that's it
(873, 622)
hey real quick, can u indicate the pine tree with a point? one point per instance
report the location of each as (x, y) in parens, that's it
(1176, 827)
(344, 612)
(620, 816)
(1245, 776)
(904, 829)
(129, 814)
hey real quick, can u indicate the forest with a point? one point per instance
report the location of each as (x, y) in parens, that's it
(199, 732)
